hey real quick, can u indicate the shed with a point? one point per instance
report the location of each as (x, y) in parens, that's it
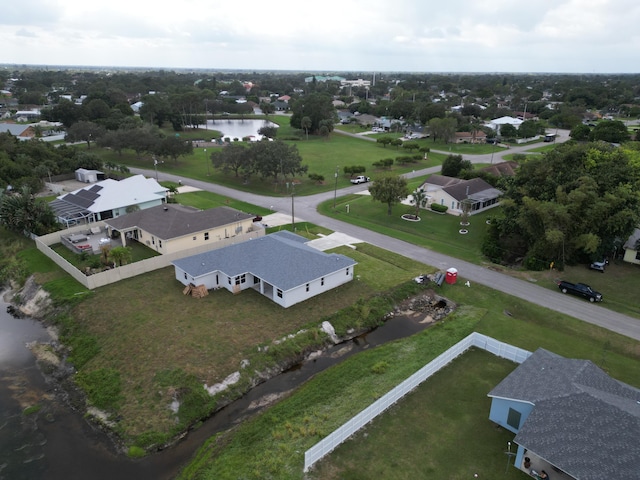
(89, 176)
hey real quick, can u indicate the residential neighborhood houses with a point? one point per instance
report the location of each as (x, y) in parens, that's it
(226, 248)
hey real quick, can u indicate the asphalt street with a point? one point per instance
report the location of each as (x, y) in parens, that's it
(305, 209)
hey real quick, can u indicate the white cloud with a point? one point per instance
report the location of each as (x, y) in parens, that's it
(456, 35)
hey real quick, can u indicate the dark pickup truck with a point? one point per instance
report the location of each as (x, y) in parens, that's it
(581, 290)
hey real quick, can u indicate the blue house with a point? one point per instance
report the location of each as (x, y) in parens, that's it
(571, 418)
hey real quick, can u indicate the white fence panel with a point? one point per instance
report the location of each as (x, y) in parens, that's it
(348, 429)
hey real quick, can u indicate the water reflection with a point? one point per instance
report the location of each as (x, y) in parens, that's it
(239, 128)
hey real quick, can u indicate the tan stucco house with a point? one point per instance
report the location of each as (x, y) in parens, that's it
(171, 228)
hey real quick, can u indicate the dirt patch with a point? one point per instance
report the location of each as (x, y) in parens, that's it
(427, 307)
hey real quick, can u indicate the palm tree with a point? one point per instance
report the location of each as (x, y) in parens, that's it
(419, 200)
(305, 123)
(120, 255)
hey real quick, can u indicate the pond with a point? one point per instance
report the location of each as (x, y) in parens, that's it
(234, 128)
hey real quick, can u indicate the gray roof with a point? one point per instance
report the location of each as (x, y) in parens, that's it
(281, 259)
(14, 129)
(632, 240)
(584, 422)
(475, 189)
(441, 180)
(172, 220)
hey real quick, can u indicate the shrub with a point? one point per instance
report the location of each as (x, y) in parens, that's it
(380, 367)
(436, 207)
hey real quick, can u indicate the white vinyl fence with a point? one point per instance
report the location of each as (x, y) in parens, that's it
(491, 345)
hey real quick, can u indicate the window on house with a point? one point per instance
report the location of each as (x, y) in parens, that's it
(347, 271)
(194, 237)
(322, 281)
(279, 293)
(638, 255)
(513, 419)
(185, 275)
(153, 240)
(307, 287)
(160, 243)
(206, 235)
(241, 279)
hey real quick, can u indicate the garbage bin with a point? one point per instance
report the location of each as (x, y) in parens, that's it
(452, 276)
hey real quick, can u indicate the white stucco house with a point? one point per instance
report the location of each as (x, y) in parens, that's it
(280, 266)
(451, 191)
(496, 123)
(108, 199)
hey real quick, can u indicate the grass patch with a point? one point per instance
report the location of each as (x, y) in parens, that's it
(31, 410)
(434, 231)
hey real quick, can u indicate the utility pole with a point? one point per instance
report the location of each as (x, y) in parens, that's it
(293, 215)
(335, 189)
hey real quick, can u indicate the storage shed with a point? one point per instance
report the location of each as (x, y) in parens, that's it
(89, 176)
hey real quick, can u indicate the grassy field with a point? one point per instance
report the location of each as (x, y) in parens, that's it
(425, 434)
(321, 155)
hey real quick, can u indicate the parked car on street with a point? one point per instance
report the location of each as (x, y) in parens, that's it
(581, 290)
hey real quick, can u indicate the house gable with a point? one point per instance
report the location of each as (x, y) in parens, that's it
(580, 419)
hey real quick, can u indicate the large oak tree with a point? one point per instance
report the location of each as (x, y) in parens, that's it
(576, 203)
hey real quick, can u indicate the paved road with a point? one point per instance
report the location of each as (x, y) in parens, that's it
(305, 209)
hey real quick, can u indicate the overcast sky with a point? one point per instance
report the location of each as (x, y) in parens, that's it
(576, 36)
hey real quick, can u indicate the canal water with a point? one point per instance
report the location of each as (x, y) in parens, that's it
(56, 443)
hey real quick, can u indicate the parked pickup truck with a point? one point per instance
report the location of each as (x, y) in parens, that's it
(360, 179)
(581, 290)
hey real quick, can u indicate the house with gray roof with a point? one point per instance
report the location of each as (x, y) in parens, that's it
(280, 266)
(570, 415)
(171, 228)
(452, 192)
(23, 131)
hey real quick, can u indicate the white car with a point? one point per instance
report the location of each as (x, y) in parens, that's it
(360, 179)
